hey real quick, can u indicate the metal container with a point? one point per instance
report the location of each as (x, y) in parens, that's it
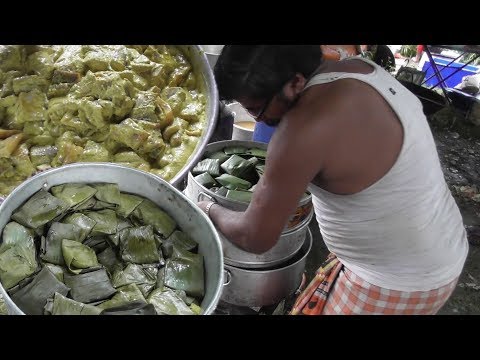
(241, 133)
(195, 191)
(200, 65)
(288, 245)
(240, 115)
(212, 52)
(254, 288)
(188, 216)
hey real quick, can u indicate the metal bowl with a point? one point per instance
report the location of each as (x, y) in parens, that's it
(188, 216)
(197, 192)
(200, 65)
(260, 287)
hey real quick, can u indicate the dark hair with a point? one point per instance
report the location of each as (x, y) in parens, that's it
(259, 71)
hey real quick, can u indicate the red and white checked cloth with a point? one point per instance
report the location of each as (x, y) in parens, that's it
(335, 290)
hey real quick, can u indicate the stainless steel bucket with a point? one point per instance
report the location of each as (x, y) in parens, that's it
(188, 216)
(260, 287)
(195, 191)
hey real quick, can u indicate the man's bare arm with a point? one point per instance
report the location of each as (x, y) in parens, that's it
(293, 160)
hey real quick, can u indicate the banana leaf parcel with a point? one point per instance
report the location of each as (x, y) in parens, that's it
(81, 221)
(184, 271)
(17, 255)
(211, 166)
(73, 194)
(126, 294)
(151, 214)
(138, 245)
(51, 246)
(39, 210)
(131, 308)
(61, 305)
(89, 287)
(166, 302)
(33, 297)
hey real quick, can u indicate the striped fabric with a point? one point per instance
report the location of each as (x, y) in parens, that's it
(312, 300)
(335, 290)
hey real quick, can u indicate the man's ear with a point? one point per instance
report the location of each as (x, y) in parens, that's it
(295, 86)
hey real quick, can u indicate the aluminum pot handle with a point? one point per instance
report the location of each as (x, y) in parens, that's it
(227, 277)
(207, 196)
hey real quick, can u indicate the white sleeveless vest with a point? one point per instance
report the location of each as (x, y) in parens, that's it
(404, 232)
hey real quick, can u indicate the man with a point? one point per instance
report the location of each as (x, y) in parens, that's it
(361, 144)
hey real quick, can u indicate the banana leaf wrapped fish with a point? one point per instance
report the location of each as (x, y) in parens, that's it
(56, 270)
(107, 193)
(150, 214)
(125, 294)
(138, 245)
(39, 210)
(17, 255)
(211, 166)
(206, 180)
(145, 277)
(233, 183)
(127, 203)
(89, 287)
(131, 308)
(73, 194)
(61, 305)
(106, 222)
(78, 256)
(220, 155)
(97, 243)
(166, 302)
(239, 150)
(180, 240)
(242, 196)
(81, 221)
(51, 246)
(122, 224)
(222, 191)
(259, 153)
(109, 259)
(33, 297)
(239, 167)
(184, 271)
(188, 300)
(88, 204)
(102, 205)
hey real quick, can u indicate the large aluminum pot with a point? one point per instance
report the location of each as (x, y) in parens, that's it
(200, 65)
(188, 216)
(255, 288)
(287, 246)
(195, 191)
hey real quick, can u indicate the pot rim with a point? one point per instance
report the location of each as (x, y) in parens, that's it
(305, 249)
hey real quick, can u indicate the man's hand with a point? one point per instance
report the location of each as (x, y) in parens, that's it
(203, 205)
